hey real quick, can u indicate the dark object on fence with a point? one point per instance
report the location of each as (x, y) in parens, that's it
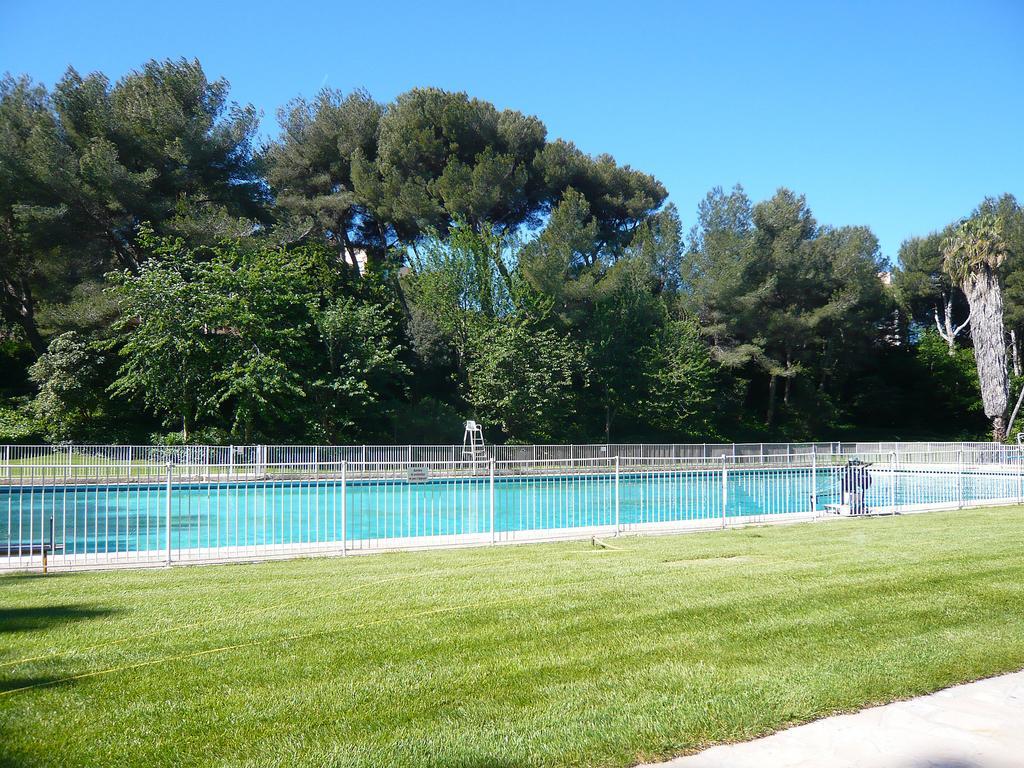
(853, 482)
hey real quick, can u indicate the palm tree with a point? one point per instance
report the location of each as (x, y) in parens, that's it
(971, 257)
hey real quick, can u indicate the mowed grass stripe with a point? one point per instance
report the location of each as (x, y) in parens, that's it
(557, 654)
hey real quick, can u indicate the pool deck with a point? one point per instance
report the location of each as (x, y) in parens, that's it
(977, 725)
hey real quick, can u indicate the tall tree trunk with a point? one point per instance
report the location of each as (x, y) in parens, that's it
(609, 416)
(789, 381)
(773, 385)
(1014, 352)
(986, 300)
(19, 307)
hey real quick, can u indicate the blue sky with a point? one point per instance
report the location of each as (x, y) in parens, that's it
(898, 115)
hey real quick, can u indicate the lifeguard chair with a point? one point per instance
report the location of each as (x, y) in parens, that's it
(473, 448)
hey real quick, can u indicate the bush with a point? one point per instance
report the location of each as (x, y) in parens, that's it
(200, 436)
(16, 426)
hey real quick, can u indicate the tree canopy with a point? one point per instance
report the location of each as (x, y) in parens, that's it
(378, 271)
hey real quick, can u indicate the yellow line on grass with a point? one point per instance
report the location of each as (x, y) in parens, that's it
(271, 641)
(256, 611)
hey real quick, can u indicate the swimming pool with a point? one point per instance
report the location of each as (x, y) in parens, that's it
(123, 518)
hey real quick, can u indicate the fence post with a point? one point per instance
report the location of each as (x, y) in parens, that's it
(616, 495)
(170, 474)
(960, 479)
(725, 486)
(491, 493)
(814, 480)
(344, 510)
(1020, 479)
(893, 459)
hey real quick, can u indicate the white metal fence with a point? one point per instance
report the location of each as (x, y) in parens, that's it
(204, 460)
(142, 507)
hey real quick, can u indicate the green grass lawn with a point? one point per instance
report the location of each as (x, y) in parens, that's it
(557, 654)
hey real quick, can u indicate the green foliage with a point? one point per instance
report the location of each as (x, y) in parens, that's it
(421, 422)
(15, 358)
(205, 435)
(680, 381)
(953, 378)
(167, 351)
(364, 374)
(370, 177)
(69, 377)
(526, 381)
(260, 318)
(17, 425)
(311, 171)
(459, 284)
(248, 336)
(388, 269)
(781, 298)
(921, 285)
(83, 165)
(443, 156)
(974, 244)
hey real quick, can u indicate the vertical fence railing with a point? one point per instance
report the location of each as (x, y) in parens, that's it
(814, 480)
(168, 524)
(958, 479)
(618, 521)
(725, 490)
(490, 493)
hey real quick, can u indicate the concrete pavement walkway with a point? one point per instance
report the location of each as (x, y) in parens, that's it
(977, 725)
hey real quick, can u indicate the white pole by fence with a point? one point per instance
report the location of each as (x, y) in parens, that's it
(725, 488)
(960, 479)
(616, 494)
(491, 494)
(1020, 480)
(814, 479)
(170, 471)
(344, 524)
(893, 458)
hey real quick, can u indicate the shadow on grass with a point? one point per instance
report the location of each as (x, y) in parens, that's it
(17, 683)
(9, 578)
(46, 617)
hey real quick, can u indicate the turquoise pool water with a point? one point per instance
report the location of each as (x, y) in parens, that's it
(91, 519)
